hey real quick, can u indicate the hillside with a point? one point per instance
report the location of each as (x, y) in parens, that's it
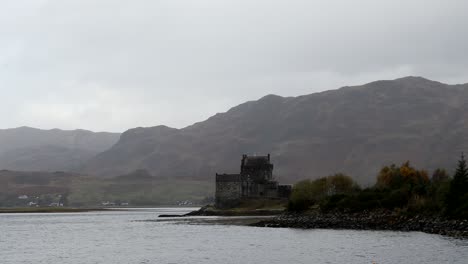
(354, 130)
(20, 188)
(26, 148)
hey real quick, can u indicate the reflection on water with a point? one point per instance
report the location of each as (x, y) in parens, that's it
(139, 236)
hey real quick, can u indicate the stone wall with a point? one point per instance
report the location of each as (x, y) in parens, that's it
(228, 190)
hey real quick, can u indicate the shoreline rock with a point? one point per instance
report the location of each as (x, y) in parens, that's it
(212, 211)
(370, 221)
(170, 215)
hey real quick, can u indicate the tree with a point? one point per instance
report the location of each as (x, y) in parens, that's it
(340, 184)
(303, 195)
(458, 188)
(439, 188)
(405, 176)
(461, 175)
(439, 175)
(389, 177)
(307, 193)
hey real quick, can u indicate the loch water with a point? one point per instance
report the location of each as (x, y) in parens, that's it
(139, 236)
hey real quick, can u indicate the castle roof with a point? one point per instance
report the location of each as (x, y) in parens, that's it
(256, 161)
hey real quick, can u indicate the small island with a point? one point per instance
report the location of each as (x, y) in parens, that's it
(402, 199)
(253, 191)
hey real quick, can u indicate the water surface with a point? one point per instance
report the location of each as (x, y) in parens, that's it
(138, 236)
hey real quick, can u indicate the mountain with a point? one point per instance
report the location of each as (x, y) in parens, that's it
(355, 130)
(26, 148)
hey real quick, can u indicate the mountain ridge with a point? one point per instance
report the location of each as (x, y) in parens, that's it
(27, 148)
(354, 129)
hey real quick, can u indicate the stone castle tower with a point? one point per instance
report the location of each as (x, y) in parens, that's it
(254, 181)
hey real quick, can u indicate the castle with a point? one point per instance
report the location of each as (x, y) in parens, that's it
(254, 181)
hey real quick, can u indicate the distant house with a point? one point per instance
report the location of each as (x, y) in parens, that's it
(23, 197)
(184, 203)
(254, 181)
(107, 203)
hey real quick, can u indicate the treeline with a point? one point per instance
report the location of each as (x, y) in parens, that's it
(402, 188)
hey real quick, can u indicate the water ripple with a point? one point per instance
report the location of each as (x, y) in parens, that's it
(126, 237)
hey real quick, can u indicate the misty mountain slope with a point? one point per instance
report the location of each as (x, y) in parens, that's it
(45, 158)
(28, 148)
(354, 130)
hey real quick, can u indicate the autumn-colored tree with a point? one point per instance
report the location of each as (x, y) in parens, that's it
(394, 177)
(388, 177)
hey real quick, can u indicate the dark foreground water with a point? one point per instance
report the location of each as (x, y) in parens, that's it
(135, 237)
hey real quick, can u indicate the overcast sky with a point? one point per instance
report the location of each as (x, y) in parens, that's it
(117, 64)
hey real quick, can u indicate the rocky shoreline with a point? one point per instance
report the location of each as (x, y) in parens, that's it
(370, 221)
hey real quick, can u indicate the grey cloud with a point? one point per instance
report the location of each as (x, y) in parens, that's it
(112, 65)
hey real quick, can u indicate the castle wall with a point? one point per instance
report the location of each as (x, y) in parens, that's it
(265, 190)
(228, 190)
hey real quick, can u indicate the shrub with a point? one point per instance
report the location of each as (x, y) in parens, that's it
(307, 193)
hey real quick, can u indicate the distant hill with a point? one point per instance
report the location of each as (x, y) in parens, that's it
(26, 148)
(354, 130)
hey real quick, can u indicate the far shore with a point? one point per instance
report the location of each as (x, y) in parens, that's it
(8, 210)
(50, 210)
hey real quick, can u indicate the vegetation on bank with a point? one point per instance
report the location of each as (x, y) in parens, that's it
(401, 188)
(139, 188)
(138, 192)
